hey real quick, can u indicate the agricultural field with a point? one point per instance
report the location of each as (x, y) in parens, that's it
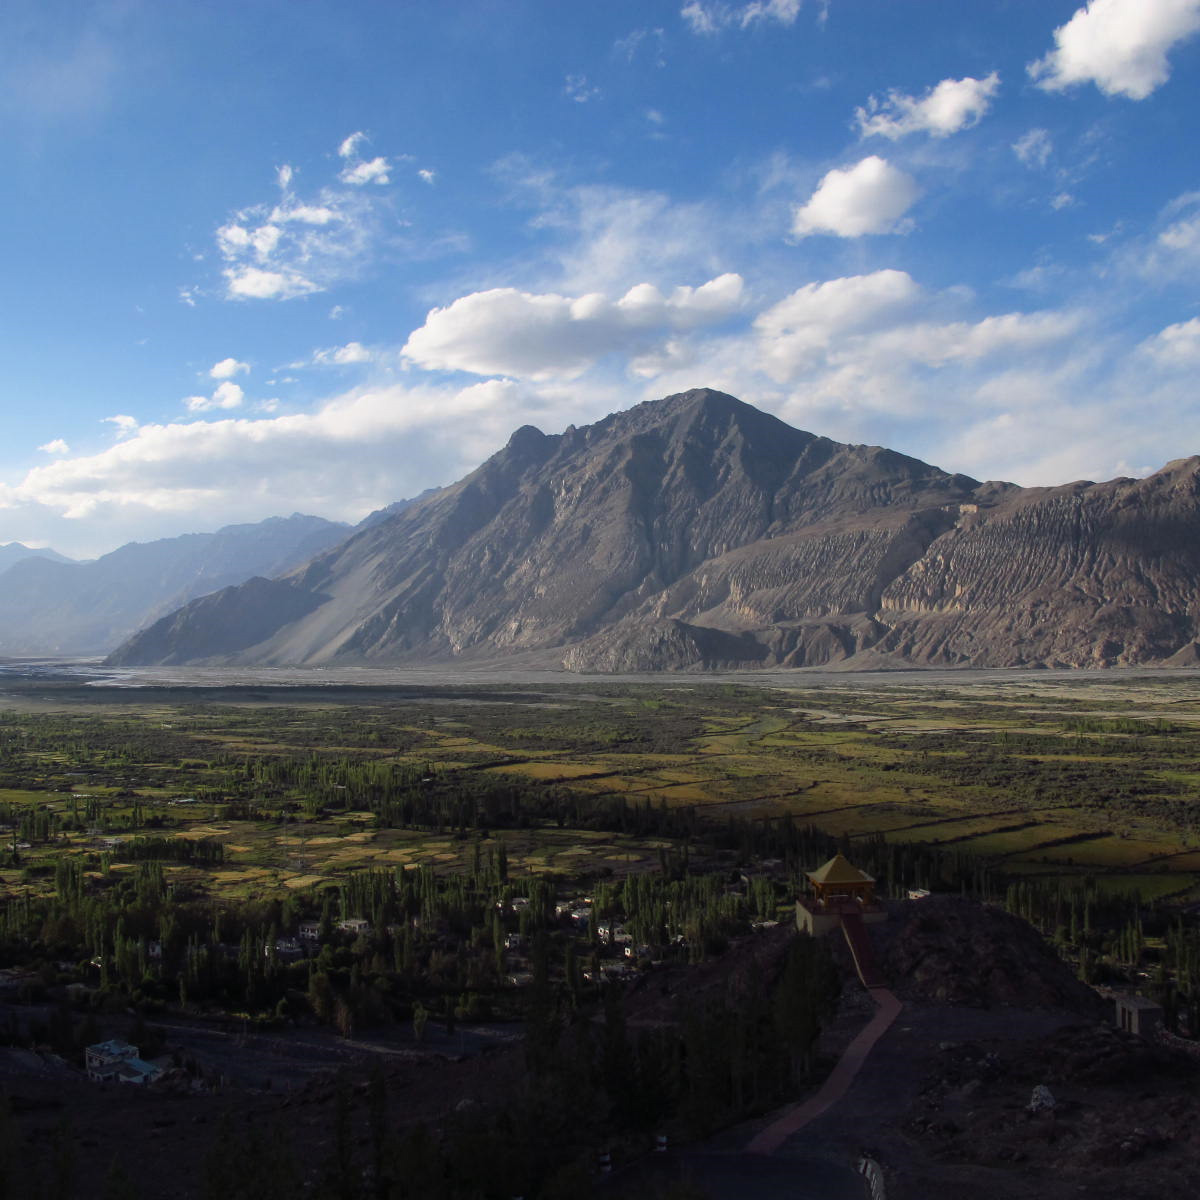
(1048, 776)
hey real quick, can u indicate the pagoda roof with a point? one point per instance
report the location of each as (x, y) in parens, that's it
(839, 869)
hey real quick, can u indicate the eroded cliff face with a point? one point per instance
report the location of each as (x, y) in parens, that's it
(697, 532)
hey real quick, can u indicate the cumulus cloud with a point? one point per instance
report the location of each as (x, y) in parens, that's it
(375, 170)
(227, 368)
(253, 283)
(882, 325)
(1119, 45)
(226, 395)
(57, 446)
(952, 105)
(870, 197)
(711, 16)
(297, 246)
(356, 452)
(1034, 148)
(427, 176)
(358, 169)
(799, 330)
(504, 331)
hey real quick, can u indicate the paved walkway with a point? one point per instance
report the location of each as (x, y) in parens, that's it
(768, 1140)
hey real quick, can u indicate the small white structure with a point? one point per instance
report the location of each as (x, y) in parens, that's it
(1136, 1014)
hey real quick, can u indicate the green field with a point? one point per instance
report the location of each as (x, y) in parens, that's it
(1077, 775)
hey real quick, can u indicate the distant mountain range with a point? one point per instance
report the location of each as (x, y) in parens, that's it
(51, 605)
(15, 552)
(697, 532)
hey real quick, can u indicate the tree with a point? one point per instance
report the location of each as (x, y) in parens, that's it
(420, 1020)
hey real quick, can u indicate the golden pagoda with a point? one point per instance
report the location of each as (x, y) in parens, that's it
(839, 891)
(840, 879)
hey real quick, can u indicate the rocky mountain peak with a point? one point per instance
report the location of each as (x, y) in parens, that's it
(696, 531)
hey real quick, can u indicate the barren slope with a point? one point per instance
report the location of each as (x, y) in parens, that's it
(696, 532)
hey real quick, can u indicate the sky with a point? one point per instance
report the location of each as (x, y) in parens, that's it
(268, 256)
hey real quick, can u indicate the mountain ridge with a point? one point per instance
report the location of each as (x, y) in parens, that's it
(697, 531)
(57, 607)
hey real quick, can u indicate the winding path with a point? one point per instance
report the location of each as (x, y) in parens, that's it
(768, 1140)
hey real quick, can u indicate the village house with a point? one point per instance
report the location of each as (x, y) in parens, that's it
(286, 948)
(117, 1061)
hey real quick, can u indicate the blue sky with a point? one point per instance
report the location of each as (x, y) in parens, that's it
(264, 257)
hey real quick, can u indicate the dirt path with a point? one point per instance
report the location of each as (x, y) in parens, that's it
(768, 1140)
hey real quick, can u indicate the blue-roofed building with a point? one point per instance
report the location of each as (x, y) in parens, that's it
(118, 1061)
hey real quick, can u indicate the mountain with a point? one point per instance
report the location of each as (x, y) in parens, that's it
(63, 607)
(15, 552)
(698, 532)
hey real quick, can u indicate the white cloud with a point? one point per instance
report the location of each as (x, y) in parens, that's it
(799, 330)
(509, 332)
(374, 170)
(1061, 200)
(600, 238)
(873, 331)
(936, 345)
(299, 246)
(579, 90)
(1119, 45)
(226, 395)
(870, 197)
(227, 368)
(253, 283)
(357, 452)
(427, 176)
(1170, 254)
(350, 145)
(350, 354)
(652, 39)
(711, 16)
(1182, 236)
(57, 446)
(952, 105)
(1176, 347)
(1034, 148)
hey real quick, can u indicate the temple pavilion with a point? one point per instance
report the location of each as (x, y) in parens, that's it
(839, 889)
